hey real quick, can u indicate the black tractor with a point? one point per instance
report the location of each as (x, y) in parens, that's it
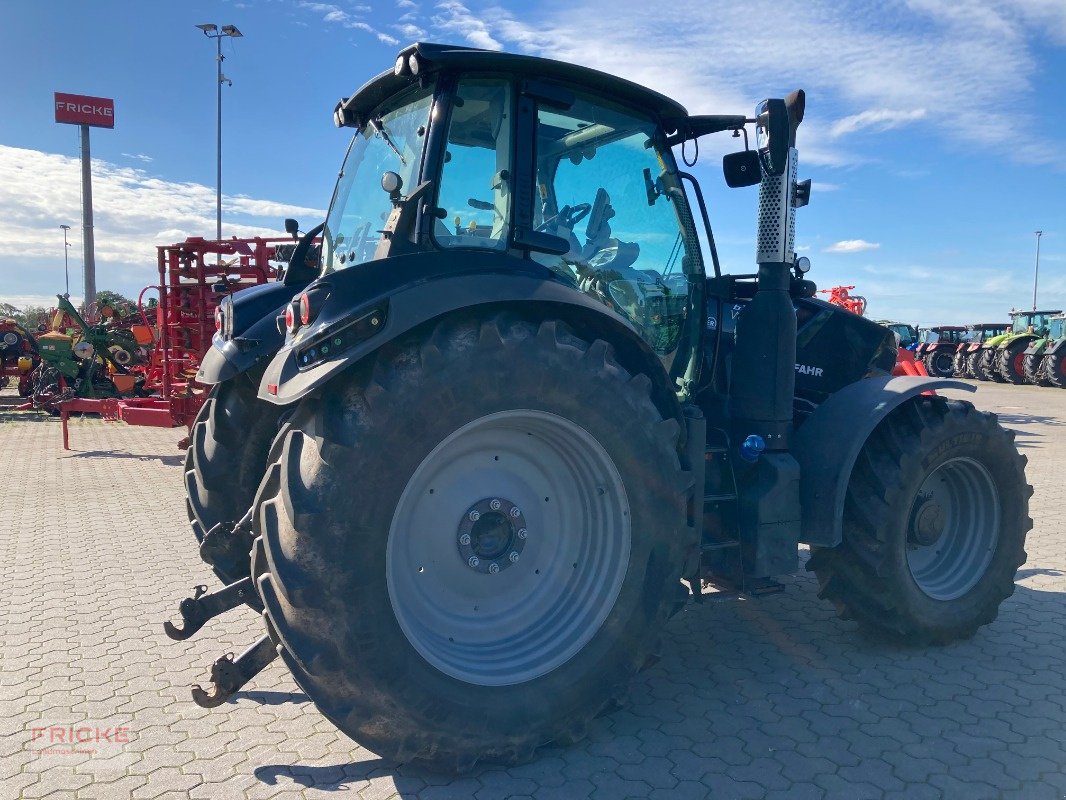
(517, 425)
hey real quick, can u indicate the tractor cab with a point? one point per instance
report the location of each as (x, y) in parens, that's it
(546, 172)
(1034, 322)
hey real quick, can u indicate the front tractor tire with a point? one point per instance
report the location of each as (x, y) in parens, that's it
(940, 363)
(469, 545)
(961, 365)
(935, 520)
(1054, 369)
(227, 456)
(1033, 366)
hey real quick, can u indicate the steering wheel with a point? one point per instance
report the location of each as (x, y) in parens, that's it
(567, 217)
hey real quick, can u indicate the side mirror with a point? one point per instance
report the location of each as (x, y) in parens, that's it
(292, 227)
(741, 169)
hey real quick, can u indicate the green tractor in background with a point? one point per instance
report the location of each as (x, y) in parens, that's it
(1026, 327)
(1045, 357)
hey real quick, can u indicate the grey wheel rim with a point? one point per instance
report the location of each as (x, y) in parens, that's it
(546, 480)
(943, 362)
(953, 528)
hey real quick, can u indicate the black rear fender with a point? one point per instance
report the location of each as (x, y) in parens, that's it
(418, 306)
(828, 444)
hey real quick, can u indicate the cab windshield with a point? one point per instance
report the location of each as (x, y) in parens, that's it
(391, 141)
(1022, 322)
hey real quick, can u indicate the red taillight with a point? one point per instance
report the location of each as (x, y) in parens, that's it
(290, 318)
(218, 319)
(305, 309)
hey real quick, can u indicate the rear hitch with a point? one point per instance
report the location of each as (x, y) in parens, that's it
(198, 609)
(228, 674)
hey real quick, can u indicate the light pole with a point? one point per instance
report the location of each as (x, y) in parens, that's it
(66, 250)
(1036, 275)
(211, 31)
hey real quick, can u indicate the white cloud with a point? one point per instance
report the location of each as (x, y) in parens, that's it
(410, 31)
(822, 186)
(851, 246)
(930, 54)
(139, 157)
(456, 18)
(876, 120)
(134, 213)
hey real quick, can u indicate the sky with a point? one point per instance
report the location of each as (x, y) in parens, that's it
(934, 130)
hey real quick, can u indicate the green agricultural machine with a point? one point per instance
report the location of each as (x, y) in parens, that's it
(967, 353)
(522, 416)
(1045, 357)
(1026, 327)
(89, 361)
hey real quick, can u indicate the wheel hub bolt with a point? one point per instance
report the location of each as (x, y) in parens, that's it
(491, 535)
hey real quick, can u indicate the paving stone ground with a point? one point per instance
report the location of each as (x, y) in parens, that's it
(772, 698)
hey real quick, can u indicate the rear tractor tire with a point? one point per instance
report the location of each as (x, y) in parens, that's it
(469, 544)
(1011, 362)
(940, 364)
(935, 520)
(227, 456)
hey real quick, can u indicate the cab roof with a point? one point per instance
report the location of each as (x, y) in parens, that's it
(435, 57)
(1034, 313)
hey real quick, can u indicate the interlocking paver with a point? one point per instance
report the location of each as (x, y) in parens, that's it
(775, 698)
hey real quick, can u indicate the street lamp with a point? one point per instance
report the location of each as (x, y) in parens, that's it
(1036, 275)
(66, 246)
(212, 31)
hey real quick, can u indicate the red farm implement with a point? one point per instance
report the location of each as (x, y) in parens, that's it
(194, 276)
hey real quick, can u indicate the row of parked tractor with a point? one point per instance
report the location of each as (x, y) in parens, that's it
(1031, 348)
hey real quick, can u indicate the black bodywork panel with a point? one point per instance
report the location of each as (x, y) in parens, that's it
(255, 336)
(829, 442)
(834, 347)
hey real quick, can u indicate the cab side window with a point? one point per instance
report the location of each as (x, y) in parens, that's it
(475, 191)
(605, 189)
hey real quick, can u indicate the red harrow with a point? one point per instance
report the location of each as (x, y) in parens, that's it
(194, 276)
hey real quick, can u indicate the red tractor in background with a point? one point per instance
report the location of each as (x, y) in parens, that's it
(938, 346)
(969, 351)
(906, 363)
